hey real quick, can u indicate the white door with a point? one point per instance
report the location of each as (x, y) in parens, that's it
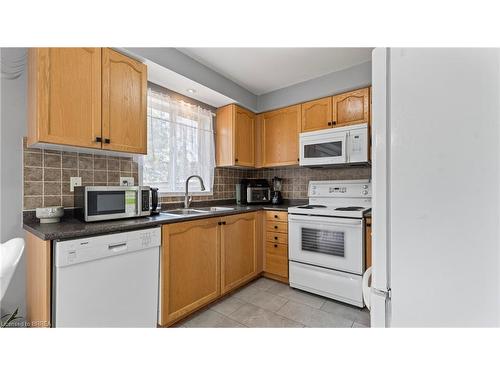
(436, 220)
(380, 249)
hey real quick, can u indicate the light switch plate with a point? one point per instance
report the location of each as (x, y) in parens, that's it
(126, 181)
(74, 181)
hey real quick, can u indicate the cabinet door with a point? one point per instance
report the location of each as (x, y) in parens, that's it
(64, 97)
(280, 136)
(124, 101)
(317, 114)
(224, 150)
(352, 107)
(240, 238)
(189, 272)
(244, 137)
(368, 242)
(276, 259)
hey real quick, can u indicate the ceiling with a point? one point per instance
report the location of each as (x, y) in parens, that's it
(178, 83)
(261, 70)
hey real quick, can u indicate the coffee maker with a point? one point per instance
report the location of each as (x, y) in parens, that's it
(276, 197)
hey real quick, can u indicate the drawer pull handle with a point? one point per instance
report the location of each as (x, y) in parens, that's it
(275, 245)
(275, 216)
(275, 227)
(276, 238)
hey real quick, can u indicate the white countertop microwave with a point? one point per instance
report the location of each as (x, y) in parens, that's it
(343, 145)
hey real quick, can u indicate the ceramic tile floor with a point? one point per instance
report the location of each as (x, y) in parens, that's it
(268, 303)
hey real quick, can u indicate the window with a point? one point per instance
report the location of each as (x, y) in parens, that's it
(180, 144)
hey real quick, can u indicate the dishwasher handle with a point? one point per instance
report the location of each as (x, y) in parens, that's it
(118, 247)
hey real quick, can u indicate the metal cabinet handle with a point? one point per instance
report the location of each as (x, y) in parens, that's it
(107, 140)
(98, 139)
(329, 123)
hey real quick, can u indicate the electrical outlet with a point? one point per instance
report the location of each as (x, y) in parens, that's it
(74, 181)
(126, 181)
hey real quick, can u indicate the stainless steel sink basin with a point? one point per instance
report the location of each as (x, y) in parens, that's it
(215, 209)
(184, 212)
(196, 211)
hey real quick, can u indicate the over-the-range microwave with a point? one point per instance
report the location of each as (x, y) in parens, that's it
(336, 146)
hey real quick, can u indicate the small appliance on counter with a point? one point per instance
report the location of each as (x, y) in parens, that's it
(154, 202)
(253, 191)
(276, 197)
(94, 203)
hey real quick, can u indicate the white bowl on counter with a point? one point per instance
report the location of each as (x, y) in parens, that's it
(50, 214)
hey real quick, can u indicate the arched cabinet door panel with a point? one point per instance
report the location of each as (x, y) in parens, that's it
(124, 103)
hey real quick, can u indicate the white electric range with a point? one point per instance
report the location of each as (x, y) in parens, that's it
(326, 240)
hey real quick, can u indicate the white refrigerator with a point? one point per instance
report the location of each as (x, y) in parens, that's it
(436, 187)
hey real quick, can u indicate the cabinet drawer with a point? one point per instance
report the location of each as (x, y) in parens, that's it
(276, 237)
(277, 215)
(277, 226)
(276, 261)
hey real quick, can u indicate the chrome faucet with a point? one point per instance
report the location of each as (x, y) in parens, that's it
(187, 197)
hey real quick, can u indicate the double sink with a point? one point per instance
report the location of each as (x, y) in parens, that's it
(196, 211)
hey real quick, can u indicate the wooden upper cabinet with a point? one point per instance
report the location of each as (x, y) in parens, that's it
(235, 137)
(351, 108)
(190, 267)
(241, 237)
(124, 103)
(87, 97)
(280, 136)
(317, 114)
(64, 96)
(244, 137)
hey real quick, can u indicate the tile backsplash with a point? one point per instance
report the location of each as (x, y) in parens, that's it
(295, 180)
(47, 174)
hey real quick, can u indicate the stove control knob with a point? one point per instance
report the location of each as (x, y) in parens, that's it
(365, 192)
(365, 186)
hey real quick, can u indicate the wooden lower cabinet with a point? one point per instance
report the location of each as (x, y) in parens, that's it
(240, 236)
(38, 281)
(190, 268)
(203, 259)
(276, 247)
(368, 242)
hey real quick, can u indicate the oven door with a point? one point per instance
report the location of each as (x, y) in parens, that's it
(106, 203)
(329, 242)
(324, 147)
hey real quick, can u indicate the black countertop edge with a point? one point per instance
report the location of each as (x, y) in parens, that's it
(71, 227)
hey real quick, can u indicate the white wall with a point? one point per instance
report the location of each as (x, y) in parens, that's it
(355, 77)
(12, 129)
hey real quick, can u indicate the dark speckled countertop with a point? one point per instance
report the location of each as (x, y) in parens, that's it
(70, 227)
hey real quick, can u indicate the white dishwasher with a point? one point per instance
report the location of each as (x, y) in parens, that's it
(107, 281)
